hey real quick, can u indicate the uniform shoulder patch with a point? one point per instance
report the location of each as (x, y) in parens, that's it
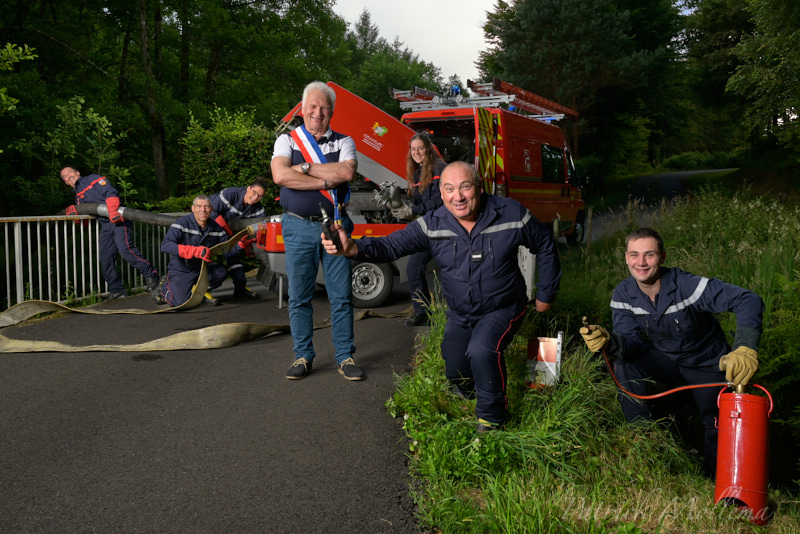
(102, 181)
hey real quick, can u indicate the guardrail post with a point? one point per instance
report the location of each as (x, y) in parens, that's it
(20, 280)
(589, 212)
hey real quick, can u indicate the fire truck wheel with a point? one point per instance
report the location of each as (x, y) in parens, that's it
(372, 284)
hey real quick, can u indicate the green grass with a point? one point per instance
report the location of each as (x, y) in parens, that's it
(567, 461)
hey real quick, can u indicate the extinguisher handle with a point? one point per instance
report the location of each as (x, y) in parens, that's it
(762, 388)
(769, 396)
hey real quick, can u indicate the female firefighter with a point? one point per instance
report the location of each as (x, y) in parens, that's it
(423, 168)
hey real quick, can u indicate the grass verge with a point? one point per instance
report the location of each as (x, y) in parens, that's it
(568, 462)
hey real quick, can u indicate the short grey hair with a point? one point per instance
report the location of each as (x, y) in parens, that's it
(325, 88)
(201, 197)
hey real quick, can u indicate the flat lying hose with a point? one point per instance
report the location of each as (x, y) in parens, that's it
(26, 310)
(212, 337)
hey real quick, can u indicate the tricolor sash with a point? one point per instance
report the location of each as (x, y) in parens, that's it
(312, 153)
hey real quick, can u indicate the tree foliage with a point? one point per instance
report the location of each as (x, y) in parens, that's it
(8, 56)
(770, 69)
(232, 151)
(713, 29)
(150, 67)
(601, 57)
(379, 65)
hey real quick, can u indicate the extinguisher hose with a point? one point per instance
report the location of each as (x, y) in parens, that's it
(663, 393)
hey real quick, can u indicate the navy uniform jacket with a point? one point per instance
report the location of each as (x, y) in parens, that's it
(479, 270)
(94, 189)
(431, 198)
(230, 204)
(681, 323)
(186, 231)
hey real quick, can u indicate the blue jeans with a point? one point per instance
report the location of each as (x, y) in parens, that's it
(301, 239)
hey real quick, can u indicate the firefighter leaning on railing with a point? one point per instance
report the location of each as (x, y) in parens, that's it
(665, 330)
(115, 232)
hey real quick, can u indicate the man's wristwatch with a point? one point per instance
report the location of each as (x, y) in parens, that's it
(305, 167)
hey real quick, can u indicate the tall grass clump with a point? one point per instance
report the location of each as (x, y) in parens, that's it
(567, 461)
(752, 242)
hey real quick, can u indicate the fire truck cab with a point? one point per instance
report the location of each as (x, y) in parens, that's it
(507, 133)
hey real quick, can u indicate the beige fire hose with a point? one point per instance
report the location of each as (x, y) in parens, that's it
(212, 337)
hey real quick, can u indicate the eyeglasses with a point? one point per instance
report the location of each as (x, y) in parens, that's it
(466, 187)
(417, 150)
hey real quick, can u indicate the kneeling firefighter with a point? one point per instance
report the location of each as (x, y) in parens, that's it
(664, 329)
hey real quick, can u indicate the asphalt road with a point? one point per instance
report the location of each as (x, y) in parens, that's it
(202, 441)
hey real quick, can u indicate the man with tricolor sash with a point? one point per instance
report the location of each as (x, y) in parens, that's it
(313, 166)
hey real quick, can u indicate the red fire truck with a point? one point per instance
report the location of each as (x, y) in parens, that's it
(506, 132)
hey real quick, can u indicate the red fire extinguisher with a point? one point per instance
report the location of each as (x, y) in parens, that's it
(743, 452)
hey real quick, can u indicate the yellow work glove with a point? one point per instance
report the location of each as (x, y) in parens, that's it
(739, 365)
(596, 337)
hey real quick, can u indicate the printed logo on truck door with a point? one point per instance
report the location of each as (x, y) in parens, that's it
(527, 154)
(379, 130)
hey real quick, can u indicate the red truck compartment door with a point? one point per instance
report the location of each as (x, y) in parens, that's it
(381, 140)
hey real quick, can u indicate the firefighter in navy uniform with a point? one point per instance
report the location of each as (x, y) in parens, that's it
(115, 232)
(665, 329)
(423, 169)
(474, 238)
(189, 240)
(239, 203)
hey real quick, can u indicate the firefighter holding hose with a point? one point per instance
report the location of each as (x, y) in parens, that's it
(189, 240)
(115, 232)
(239, 203)
(664, 329)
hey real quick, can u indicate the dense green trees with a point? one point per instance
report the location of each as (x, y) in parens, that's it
(608, 59)
(10, 55)
(769, 73)
(147, 67)
(650, 78)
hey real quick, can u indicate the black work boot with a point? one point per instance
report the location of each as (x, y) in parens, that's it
(245, 293)
(152, 283)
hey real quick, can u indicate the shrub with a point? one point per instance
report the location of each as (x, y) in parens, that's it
(691, 161)
(233, 151)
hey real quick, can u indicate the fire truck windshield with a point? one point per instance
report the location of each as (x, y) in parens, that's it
(455, 139)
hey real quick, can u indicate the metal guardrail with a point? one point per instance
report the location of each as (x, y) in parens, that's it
(56, 258)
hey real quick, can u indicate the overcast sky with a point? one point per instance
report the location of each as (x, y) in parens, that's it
(445, 33)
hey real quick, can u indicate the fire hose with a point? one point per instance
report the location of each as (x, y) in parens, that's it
(657, 395)
(218, 336)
